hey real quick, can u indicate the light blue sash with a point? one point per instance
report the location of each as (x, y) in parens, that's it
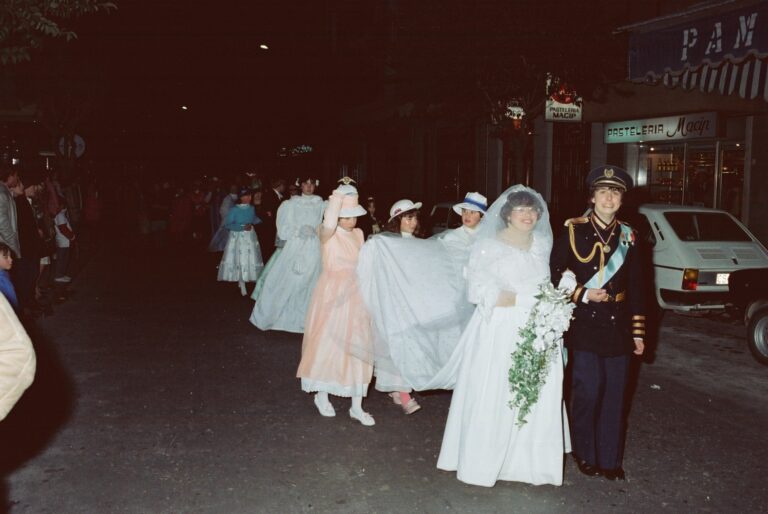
(614, 263)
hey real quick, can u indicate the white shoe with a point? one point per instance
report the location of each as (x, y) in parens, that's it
(363, 417)
(326, 409)
(63, 280)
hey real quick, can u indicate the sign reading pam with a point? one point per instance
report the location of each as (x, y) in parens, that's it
(670, 128)
(733, 34)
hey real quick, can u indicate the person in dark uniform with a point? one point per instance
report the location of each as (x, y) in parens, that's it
(608, 323)
(368, 222)
(270, 201)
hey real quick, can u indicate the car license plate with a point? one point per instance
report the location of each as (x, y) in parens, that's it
(722, 279)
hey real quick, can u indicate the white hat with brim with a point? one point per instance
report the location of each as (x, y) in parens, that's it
(472, 202)
(352, 212)
(350, 208)
(402, 206)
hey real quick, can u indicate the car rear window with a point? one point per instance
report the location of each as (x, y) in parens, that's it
(705, 226)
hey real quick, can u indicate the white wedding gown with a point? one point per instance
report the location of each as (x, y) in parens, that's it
(482, 441)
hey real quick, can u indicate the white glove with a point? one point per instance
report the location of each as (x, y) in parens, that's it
(346, 190)
(567, 282)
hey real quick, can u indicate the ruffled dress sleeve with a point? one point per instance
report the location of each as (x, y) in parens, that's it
(287, 227)
(483, 286)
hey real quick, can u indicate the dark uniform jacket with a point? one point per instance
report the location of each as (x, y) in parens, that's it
(604, 328)
(29, 237)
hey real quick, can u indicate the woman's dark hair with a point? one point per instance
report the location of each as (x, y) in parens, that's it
(307, 178)
(6, 171)
(394, 225)
(520, 199)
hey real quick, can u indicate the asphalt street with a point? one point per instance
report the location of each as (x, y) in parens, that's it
(154, 394)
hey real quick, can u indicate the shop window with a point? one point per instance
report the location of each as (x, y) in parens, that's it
(665, 170)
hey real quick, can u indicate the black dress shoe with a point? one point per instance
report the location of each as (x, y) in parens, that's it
(614, 474)
(586, 468)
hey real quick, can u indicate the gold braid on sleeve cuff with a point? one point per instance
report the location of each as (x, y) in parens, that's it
(576, 296)
(638, 326)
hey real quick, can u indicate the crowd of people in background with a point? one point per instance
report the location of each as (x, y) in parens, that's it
(41, 216)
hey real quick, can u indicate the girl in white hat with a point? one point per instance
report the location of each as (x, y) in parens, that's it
(337, 324)
(404, 219)
(416, 297)
(459, 240)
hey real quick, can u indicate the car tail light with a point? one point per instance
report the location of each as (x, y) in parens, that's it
(690, 279)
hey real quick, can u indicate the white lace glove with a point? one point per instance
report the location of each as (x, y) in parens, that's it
(567, 282)
(306, 232)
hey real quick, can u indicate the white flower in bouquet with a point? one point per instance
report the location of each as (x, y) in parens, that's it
(541, 339)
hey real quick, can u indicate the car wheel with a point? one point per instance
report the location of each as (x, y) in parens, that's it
(757, 336)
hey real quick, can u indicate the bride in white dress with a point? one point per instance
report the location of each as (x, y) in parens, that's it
(482, 441)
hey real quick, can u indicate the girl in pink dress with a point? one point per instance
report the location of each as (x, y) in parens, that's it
(337, 326)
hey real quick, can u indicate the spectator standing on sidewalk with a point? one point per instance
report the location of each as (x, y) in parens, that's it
(64, 238)
(27, 269)
(270, 202)
(8, 228)
(6, 286)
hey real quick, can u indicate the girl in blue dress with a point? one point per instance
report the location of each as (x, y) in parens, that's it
(241, 261)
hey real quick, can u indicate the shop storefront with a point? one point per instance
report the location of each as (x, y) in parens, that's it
(688, 159)
(691, 121)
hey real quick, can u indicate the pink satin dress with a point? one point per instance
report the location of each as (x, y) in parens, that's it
(338, 339)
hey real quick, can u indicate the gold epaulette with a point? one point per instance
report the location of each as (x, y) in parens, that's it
(575, 221)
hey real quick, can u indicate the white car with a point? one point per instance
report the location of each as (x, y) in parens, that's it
(694, 251)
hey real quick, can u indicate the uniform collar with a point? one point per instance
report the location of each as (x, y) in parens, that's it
(602, 225)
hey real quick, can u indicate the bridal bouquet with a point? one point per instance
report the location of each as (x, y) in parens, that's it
(541, 338)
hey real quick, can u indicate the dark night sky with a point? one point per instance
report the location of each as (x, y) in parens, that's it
(149, 57)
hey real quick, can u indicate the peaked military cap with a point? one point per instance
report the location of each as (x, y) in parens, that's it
(609, 176)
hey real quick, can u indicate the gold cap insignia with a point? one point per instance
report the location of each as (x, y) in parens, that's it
(608, 172)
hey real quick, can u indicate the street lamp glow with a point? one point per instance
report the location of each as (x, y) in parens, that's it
(263, 46)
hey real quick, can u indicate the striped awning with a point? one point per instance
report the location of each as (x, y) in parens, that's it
(748, 78)
(719, 46)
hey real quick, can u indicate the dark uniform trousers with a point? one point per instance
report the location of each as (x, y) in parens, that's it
(600, 338)
(597, 418)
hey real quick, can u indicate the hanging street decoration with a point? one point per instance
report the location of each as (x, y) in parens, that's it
(562, 103)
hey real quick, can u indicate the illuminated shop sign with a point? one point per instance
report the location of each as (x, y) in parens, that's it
(670, 128)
